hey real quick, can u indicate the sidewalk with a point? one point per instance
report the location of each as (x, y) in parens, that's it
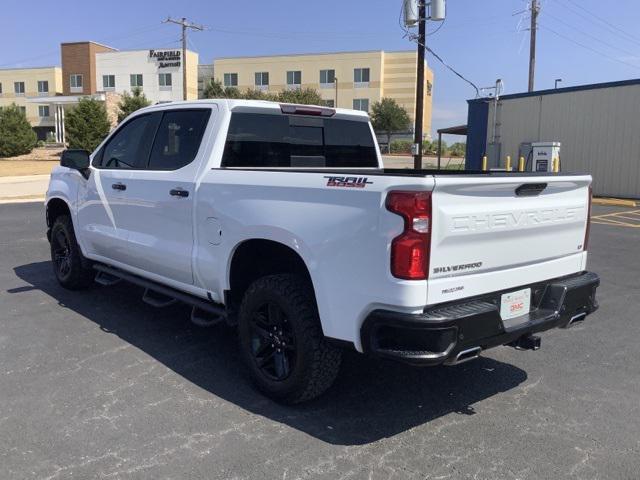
(27, 188)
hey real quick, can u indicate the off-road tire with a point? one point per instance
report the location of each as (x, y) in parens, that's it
(76, 273)
(315, 363)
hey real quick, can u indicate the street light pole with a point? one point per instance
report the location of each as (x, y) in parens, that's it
(335, 81)
(558, 80)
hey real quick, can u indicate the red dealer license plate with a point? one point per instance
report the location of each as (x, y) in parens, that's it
(514, 304)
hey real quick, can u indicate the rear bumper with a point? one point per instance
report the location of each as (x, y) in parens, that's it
(440, 333)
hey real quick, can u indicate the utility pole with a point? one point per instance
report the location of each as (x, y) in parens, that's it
(185, 25)
(535, 10)
(335, 80)
(422, 37)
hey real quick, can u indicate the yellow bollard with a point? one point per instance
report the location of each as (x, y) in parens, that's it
(484, 163)
(521, 164)
(508, 163)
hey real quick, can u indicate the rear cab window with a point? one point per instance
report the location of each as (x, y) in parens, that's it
(262, 140)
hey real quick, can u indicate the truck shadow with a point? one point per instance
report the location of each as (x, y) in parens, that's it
(371, 399)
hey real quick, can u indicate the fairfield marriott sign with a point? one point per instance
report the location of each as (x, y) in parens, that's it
(166, 58)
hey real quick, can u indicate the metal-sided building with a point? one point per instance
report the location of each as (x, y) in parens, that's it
(598, 126)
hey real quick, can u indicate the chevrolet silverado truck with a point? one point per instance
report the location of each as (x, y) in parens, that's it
(281, 220)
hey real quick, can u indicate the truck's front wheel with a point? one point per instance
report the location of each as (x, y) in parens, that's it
(69, 265)
(281, 340)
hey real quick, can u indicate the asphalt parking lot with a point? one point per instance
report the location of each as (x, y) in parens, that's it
(98, 384)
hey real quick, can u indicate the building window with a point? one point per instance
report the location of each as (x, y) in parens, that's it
(43, 111)
(230, 79)
(75, 82)
(0, 88)
(136, 80)
(327, 78)
(294, 79)
(164, 80)
(262, 80)
(328, 103)
(361, 77)
(18, 88)
(43, 87)
(429, 88)
(108, 82)
(361, 104)
(23, 110)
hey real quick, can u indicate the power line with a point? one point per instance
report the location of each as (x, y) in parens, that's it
(593, 19)
(128, 34)
(606, 22)
(589, 48)
(412, 37)
(597, 39)
(437, 57)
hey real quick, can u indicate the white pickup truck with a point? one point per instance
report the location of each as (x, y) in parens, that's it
(281, 219)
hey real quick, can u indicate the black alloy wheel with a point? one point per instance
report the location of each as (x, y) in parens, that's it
(61, 249)
(272, 342)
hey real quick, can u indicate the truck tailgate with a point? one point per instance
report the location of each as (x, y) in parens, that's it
(496, 232)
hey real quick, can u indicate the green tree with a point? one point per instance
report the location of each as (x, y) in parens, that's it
(458, 149)
(389, 117)
(16, 135)
(255, 94)
(215, 89)
(87, 124)
(130, 103)
(434, 147)
(304, 96)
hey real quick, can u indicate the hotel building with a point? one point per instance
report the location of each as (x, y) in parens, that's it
(347, 80)
(17, 85)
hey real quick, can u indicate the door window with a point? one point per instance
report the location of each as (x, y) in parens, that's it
(129, 148)
(178, 138)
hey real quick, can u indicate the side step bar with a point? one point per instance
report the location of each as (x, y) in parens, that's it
(159, 295)
(106, 279)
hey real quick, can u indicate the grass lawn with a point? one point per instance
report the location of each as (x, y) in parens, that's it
(39, 162)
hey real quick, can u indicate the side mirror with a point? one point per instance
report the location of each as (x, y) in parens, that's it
(75, 158)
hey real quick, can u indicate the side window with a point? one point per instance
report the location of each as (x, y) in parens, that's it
(178, 138)
(130, 146)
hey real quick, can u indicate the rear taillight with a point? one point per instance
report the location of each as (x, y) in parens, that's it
(410, 250)
(585, 244)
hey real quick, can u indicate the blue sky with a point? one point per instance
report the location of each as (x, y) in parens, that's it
(484, 40)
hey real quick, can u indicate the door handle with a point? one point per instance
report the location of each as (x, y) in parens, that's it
(119, 186)
(179, 192)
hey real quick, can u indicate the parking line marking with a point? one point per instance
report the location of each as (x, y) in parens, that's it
(614, 223)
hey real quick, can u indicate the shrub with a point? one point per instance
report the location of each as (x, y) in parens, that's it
(87, 124)
(401, 146)
(16, 135)
(458, 149)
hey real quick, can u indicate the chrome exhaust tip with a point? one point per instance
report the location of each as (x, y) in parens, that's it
(577, 318)
(465, 356)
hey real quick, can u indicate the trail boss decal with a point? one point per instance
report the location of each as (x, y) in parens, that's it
(348, 182)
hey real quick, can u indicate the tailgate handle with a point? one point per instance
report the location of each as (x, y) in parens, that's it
(530, 189)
